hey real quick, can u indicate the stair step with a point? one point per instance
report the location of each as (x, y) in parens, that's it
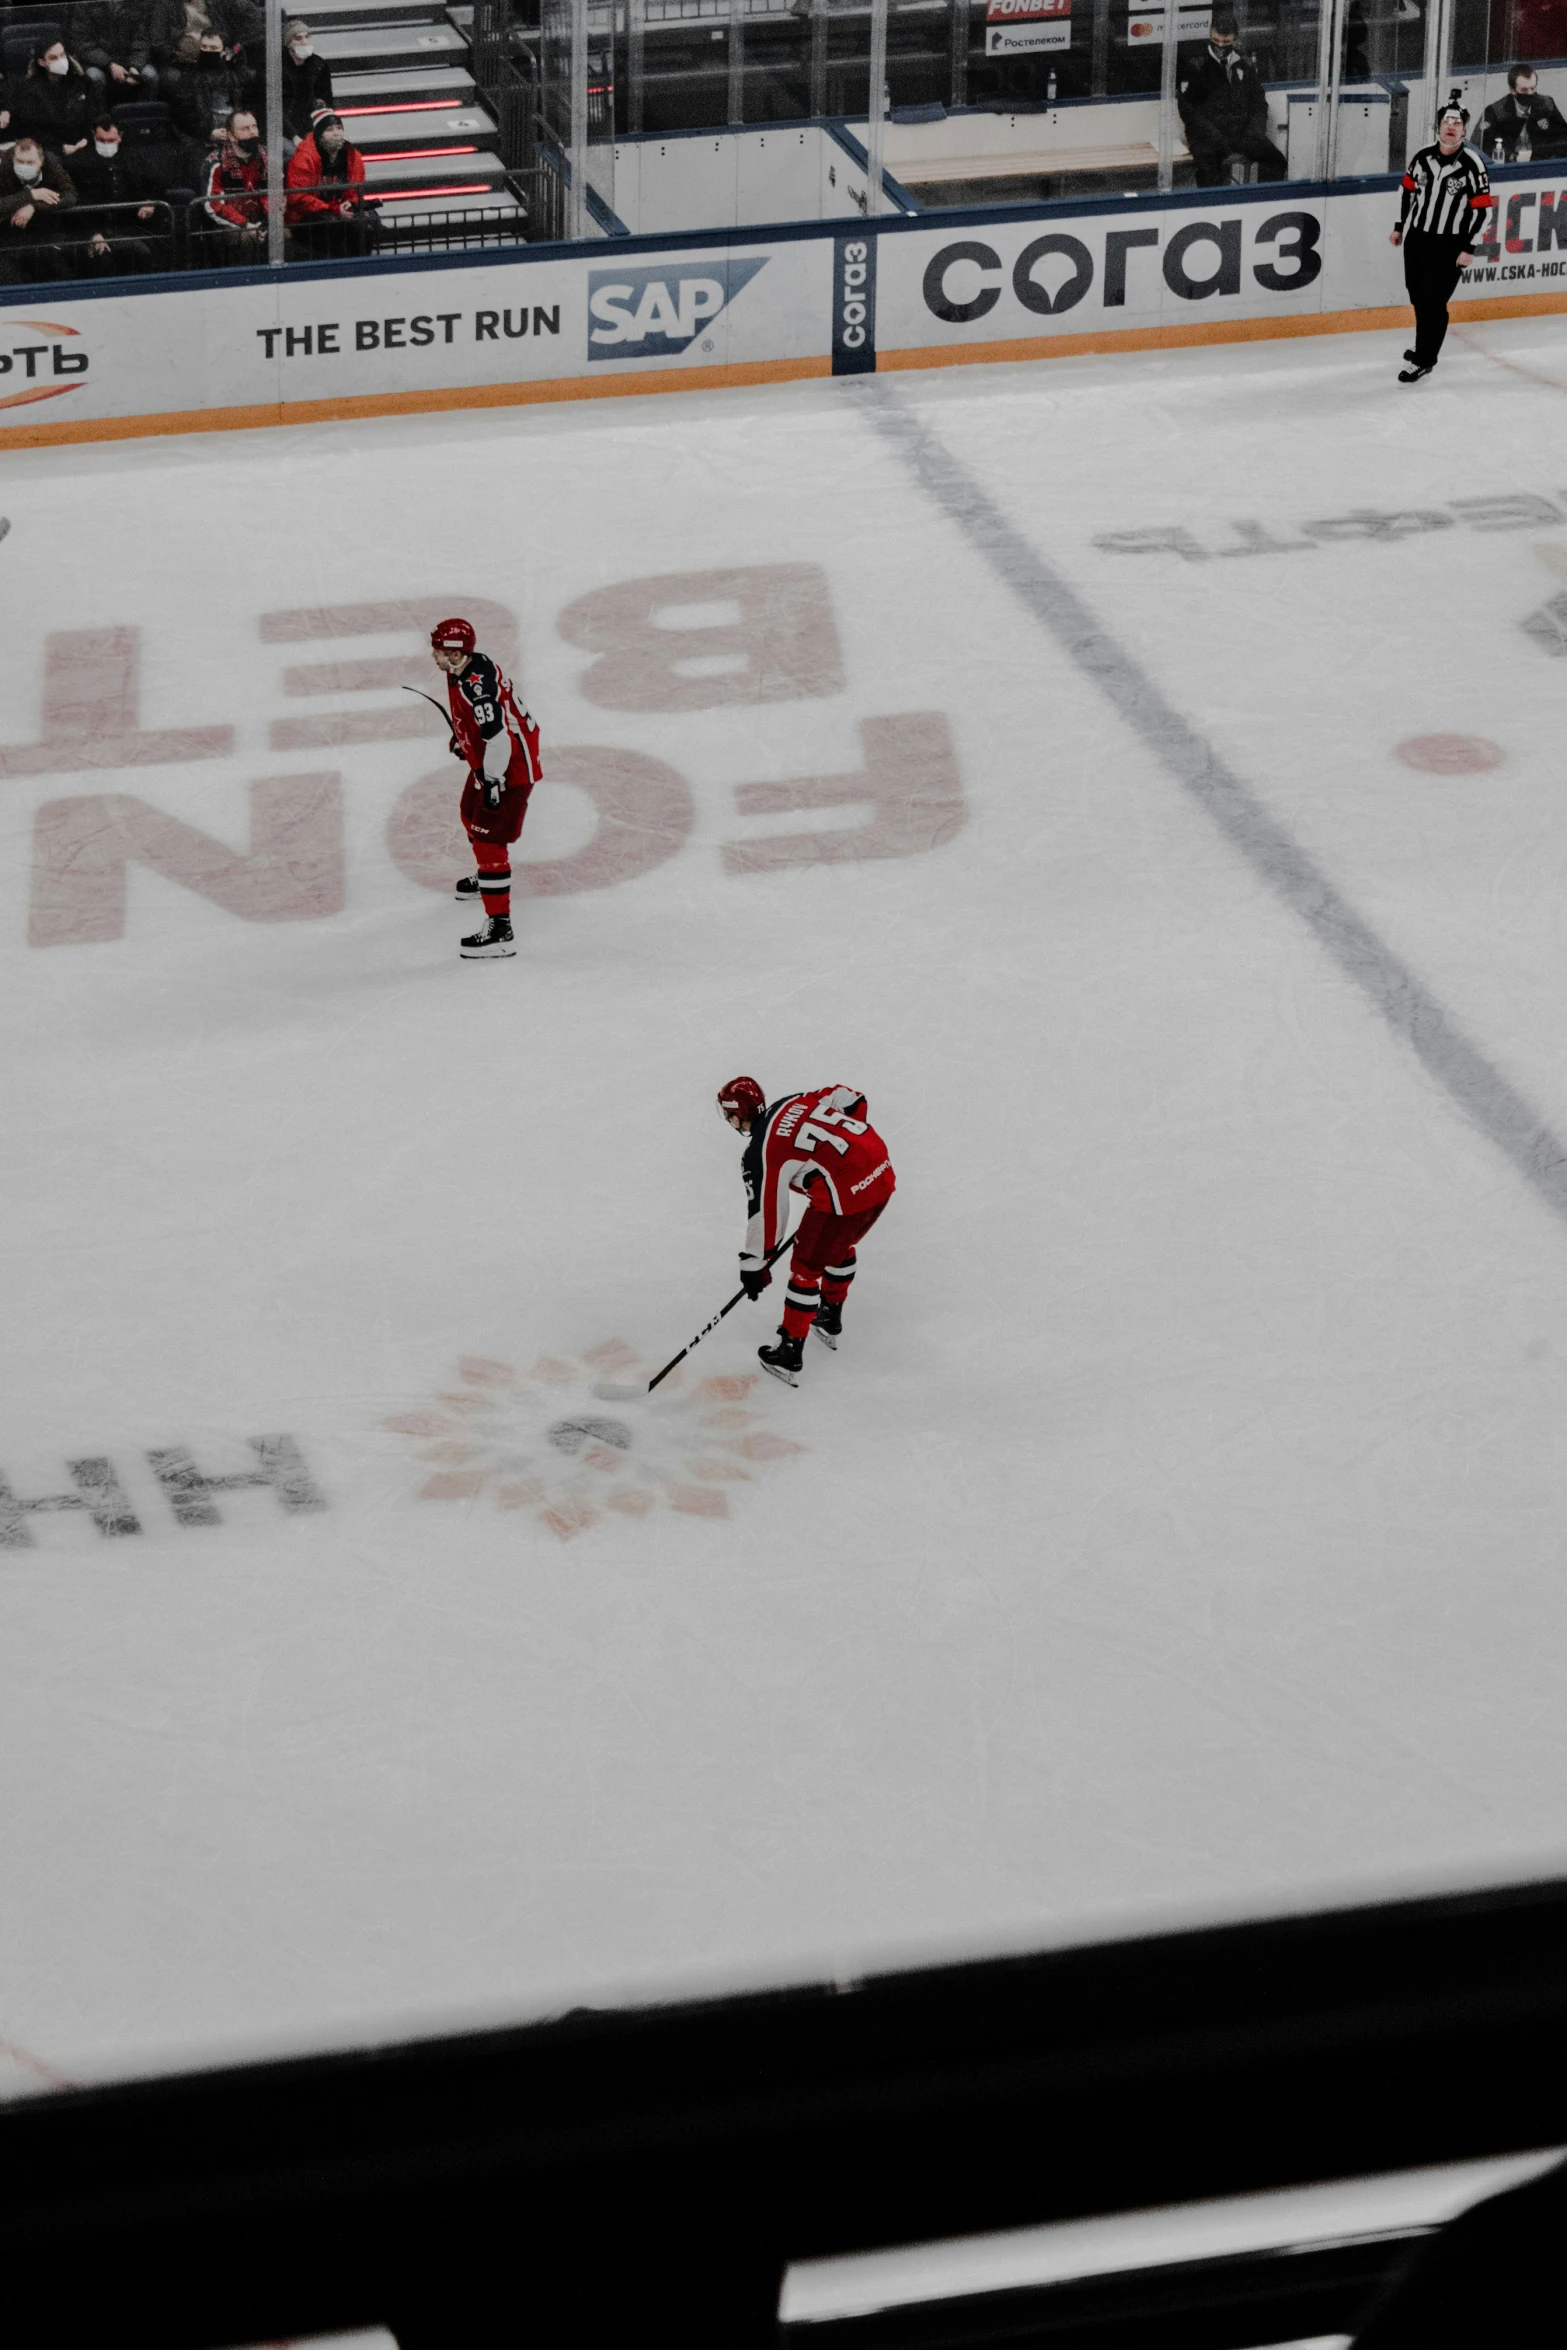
(453, 84)
(412, 170)
(339, 16)
(502, 204)
(425, 43)
(420, 126)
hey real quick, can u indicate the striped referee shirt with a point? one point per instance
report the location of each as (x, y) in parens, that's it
(1447, 195)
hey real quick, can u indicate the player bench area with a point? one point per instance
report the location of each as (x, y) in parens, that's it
(978, 156)
(1038, 173)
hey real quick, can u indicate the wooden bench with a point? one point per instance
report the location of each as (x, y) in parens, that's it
(1055, 164)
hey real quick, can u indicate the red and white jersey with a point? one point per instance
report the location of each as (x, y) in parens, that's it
(818, 1142)
(490, 727)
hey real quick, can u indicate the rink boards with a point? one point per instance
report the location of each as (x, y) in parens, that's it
(241, 348)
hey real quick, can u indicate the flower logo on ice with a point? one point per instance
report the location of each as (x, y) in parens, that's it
(545, 1440)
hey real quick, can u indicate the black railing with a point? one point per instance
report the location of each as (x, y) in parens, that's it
(609, 2175)
(346, 221)
(506, 77)
(180, 232)
(92, 240)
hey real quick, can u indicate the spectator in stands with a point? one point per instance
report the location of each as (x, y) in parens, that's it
(1524, 105)
(234, 188)
(209, 90)
(327, 217)
(109, 173)
(177, 27)
(307, 81)
(55, 100)
(112, 36)
(35, 190)
(1224, 108)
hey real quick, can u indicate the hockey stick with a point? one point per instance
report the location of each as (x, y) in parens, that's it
(609, 1393)
(444, 715)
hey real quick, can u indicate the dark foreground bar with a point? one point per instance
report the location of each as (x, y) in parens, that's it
(609, 2176)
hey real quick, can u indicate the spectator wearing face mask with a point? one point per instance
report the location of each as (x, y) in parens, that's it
(108, 174)
(1525, 117)
(327, 217)
(176, 28)
(1224, 108)
(56, 101)
(35, 190)
(208, 91)
(307, 81)
(112, 38)
(234, 189)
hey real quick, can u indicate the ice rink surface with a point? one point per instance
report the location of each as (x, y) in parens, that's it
(1179, 1532)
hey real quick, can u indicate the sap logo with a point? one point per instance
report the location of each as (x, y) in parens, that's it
(657, 312)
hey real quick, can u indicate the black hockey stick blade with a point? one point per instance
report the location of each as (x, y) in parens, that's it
(609, 1392)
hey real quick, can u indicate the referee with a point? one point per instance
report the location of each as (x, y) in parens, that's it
(1447, 193)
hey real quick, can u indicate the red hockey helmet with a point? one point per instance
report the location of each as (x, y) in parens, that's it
(452, 636)
(743, 1098)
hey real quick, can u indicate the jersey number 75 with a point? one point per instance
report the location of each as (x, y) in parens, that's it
(815, 1130)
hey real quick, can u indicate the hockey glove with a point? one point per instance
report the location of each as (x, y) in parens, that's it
(454, 746)
(754, 1279)
(493, 788)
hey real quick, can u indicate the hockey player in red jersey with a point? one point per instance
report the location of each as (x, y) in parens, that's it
(498, 743)
(818, 1143)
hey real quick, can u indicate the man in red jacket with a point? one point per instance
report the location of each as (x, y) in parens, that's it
(236, 177)
(498, 743)
(326, 215)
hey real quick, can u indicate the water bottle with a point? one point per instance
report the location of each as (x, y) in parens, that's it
(1050, 88)
(1499, 153)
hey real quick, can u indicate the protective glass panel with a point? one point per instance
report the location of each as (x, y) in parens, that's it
(1508, 58)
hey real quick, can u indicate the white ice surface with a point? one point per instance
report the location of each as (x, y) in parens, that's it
(1179, 1532)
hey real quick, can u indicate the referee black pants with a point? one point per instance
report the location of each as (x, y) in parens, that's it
(1430, 273)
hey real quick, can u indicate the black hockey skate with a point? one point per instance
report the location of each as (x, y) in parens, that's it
(467, 889)
(1415, 374)
(829, 1323)
(494, 940)
(783, 1360)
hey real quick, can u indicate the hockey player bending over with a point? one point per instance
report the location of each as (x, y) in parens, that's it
(818, 1143)
(498, 743)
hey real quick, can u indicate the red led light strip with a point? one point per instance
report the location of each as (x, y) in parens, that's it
(403, 195)
(416, 154)
(407, 106)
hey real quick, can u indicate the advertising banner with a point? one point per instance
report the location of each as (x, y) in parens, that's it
(1020, 279)
(1013, 27)
(251, 347)
(259, 349)
(1203, 265)
(1145, 26)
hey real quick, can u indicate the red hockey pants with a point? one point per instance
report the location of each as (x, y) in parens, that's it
(823, 1263)
(491, 832)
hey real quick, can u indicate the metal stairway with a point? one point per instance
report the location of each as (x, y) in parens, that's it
(403, 84)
